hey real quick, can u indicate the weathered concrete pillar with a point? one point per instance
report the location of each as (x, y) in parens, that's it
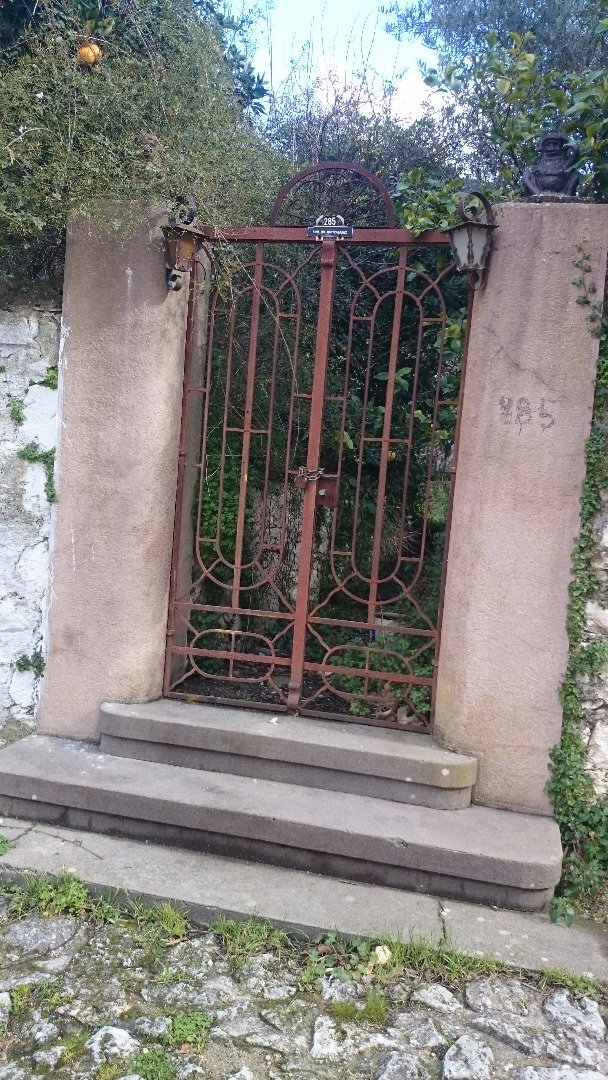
(121, 372)
(526, 416)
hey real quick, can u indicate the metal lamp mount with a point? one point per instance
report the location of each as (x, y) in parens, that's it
(182, 244)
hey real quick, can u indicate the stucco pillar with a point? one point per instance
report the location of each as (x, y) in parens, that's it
(121, 369)
(526, 416)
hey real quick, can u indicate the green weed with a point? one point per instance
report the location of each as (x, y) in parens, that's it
(21, 999)
(51, 379)
(345, 1011)
(73, 1047)
(36, 995)
(167, 975)
(388, 959)
(105, 908)
(35, 455)
(109, 1071)
(16, 410)
(5, 844)
(154, 1064)
(376, 1008)
(48, 995)
(580, 984)
(189, 1029)
(34, 663)
(161, 924)
(64, 894)
(344, 958)
(582, 815)
(376, 962)
(241, 940)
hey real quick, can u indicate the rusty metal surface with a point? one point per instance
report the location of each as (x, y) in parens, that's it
(355, 190)
(299, 235)
(322, 472)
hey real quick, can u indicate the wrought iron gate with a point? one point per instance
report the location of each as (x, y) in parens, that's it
(317, 459)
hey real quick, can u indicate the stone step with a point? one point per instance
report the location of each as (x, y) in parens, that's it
(386, 764)
(480, 854)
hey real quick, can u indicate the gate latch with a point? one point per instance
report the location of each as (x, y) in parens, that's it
(306, 476)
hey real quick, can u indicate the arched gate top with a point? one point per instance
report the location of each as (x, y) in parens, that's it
(337, 187)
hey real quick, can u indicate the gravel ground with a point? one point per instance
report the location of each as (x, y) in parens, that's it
(86, 1000)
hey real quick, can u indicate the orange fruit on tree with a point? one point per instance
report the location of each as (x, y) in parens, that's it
(89, 54)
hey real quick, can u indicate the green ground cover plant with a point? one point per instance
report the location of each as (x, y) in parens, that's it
(189, 1029)
(583, 816)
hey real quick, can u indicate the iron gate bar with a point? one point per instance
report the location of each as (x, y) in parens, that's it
(181, 464)
(247, 430)
(386, 433)
(448, 527)
(326, 299)
(293, 235)
(281, 661)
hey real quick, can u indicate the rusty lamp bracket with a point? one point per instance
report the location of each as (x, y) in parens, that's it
(182, 242)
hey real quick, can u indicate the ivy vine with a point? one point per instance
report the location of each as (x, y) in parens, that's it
(581, 815)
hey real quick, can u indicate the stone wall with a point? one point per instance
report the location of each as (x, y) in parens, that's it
(29, 350)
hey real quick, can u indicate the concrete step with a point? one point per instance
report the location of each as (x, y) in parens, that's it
(480, 854)
(384, 764)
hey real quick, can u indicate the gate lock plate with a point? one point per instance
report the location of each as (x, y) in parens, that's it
(327, 491)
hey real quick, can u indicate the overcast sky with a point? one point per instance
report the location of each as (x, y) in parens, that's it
(343, 33)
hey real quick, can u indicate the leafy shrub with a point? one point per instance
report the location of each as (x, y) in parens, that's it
(157, 116)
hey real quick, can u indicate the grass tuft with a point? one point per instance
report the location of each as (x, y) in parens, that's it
(160, 924)
(152, 1064)
(189, 1030)
(242, 939)
(345, 1010)
(376, 1008)
(51, 379)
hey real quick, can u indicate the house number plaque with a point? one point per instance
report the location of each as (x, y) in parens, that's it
(330, 227)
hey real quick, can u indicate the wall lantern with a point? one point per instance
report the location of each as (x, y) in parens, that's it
(181, 247)
(471, 242)
(181, 243)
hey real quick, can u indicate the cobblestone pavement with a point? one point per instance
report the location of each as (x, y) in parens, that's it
(90, 1001)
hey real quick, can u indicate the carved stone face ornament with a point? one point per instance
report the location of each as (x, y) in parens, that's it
(554, 173)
